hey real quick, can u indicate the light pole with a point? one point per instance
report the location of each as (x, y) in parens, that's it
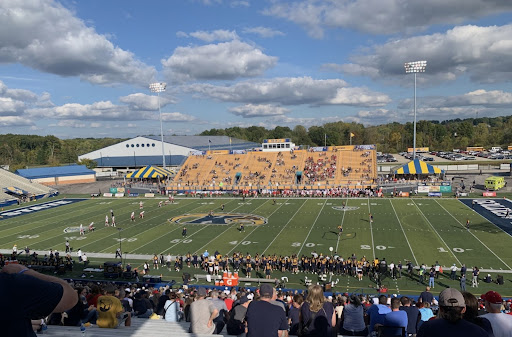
(158, 88)
(414, 68)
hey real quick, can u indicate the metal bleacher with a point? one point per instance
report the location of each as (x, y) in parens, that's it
(8, 179)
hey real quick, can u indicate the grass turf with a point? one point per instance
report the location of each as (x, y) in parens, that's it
(422, 230)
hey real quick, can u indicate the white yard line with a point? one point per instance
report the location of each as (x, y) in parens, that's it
(440, 237)
(204, 227)
(342, 220)
(284, 227)
(474, 235)
(371, 227)
(313, 226)
(229, 227)
(250, 233)
(138, 224)
(400, 223)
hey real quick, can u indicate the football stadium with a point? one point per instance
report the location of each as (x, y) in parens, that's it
(316, 215)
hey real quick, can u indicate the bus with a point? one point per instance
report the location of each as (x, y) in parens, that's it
(495, 183)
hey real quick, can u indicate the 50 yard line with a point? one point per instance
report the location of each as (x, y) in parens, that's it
(306, 239)
(371, 227)
(342, 219)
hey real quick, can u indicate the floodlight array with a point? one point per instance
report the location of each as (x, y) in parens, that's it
(157, 87)
(415, 67)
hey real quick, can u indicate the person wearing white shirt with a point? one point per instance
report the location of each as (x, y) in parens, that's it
(501, 323)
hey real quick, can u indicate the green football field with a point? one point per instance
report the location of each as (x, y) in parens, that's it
(420, 230)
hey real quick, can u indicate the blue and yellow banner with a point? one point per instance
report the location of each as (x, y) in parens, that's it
(418, 167)
(149, 172)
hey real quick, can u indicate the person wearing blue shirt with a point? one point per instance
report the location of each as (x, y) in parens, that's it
(395, 320)
(377, 312)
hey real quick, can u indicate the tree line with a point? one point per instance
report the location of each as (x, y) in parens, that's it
(392, 137)
(21, 151)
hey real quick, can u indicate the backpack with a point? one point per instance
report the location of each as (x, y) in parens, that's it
(304, 329)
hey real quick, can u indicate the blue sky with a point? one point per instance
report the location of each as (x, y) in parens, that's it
(82, 68)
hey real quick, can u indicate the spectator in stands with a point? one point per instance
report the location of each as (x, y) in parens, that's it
(394, 320)
(449, 322)
(294, 314)
(425, 311)
(317, 315)
(413, 315)
(223, 315)
(28, 294)
(236, 323)
(265, 319)
(377, 312)
(171, 307)
(352, 318)
(141, 305)
(202, 314)
(471, 314)
(162, 300)
(426, 296)
(111, 313)
(501, 323)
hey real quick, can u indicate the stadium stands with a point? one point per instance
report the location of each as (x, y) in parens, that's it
(8, 179)
(348, 166)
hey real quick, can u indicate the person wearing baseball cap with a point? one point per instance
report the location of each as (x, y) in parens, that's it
(449, 322)
(264, 318)
(501, 323)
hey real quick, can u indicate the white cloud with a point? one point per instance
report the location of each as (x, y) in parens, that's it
(292, 91)
(263, 31)
(140, 101)
(483, 53)
(177, 117)
(382, 16)
(223, 61)
(211, 36)
(258, 110)
(10, 107)
(14, 121)
(48, 37)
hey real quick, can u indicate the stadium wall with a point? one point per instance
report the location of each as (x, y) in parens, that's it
(50, 181)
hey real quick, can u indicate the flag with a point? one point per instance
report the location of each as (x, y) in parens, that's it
(351, 135)
(229, 140)
(209, 140)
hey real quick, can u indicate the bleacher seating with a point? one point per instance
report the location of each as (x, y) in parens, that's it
(349, 167)
(141, 327)
(8, 179)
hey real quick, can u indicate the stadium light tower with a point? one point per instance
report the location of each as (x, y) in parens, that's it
(158, 88)
(414, 68)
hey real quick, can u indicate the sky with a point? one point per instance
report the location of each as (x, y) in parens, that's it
(83, 68)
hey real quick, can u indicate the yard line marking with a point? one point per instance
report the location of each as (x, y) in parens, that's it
(371, 228)
(150, 228)
(291, 218)
(61, 234)
(342, 219)
(400, 223)
(318, 215)
(475, 236)
(437, 232)
(256, 227)
(229, 227)
(204, 227)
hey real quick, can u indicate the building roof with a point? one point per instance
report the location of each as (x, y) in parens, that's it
(203, 143)
(58, 171)
(138, 161)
